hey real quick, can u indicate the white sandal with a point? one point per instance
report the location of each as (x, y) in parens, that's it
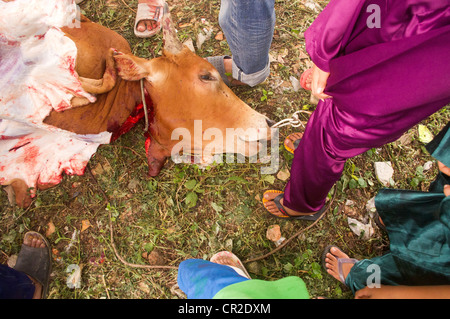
(150, 11)
(240, 270)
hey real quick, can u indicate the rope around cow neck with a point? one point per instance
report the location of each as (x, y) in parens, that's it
(293, 121)
(145, 105)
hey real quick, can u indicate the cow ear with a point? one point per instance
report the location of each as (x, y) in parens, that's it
(130, 67)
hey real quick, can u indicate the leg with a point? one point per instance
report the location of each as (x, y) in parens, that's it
(15, 284)
(331, 137)
(357, 274)
(204, 279)
(372, 105)
(248, 26)
(33, 260)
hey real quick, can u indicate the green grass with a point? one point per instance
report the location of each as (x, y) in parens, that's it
(189, 212)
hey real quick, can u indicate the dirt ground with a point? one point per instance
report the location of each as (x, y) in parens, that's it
(115, 221)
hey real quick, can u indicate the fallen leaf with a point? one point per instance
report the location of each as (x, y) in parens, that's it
(283, 174)
(303, 55)
(425, 136)
(273, 233)
(51, 229)
(219, 36)
(85, 224)
(144, 287)
(405, 139)
(97, 170)
(155, 258)
(185, 25)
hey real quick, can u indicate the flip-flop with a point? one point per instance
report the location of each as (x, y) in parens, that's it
(340, 261)
(296, 143)
(313, 217)
(240, 270)
(152, 10)
(217, 62)
(303, 79)
(36, 262)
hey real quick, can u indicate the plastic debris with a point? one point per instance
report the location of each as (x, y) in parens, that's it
(428, 165)
(384, 172)
(202, 37)
(295, 83)
(364, 231)
(74, 279)
(370, 207)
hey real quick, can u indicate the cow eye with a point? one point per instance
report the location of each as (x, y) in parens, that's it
(207, 77)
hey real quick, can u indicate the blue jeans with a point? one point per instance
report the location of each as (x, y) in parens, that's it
(248, 26)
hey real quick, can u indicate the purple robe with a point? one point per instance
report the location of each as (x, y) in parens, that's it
(383, 81)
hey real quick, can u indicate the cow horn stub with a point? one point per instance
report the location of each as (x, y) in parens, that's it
(171, 42)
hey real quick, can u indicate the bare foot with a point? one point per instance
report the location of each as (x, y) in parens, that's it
(331, 263)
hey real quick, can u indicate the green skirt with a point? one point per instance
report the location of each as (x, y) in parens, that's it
(418, 226)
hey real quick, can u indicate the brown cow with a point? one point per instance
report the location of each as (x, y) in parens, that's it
(183, 88)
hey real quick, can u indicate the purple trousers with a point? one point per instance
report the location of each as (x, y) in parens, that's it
(383, 81)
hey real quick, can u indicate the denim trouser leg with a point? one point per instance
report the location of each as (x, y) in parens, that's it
(248, 26)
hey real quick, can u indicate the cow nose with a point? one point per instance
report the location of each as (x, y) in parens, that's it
(270, 122)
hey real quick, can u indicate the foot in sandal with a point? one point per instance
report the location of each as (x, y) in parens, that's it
(34, 260)
(148, 18)
(229, 259)
(337, 263)
(273, 202)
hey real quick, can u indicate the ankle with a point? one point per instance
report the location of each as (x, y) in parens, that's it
(228, 64)
(37, 288)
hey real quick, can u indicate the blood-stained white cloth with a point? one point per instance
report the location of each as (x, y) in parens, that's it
(37, 75)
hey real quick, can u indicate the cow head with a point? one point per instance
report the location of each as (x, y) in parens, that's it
(189, 95)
